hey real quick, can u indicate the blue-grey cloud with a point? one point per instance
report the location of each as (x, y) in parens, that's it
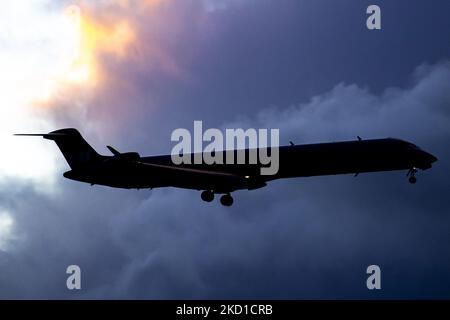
(303, 238)
(308, 68)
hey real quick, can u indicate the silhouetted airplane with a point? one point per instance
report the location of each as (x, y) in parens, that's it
(130, 170)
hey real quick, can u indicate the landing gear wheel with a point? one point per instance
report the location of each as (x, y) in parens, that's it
(412, 180)
(412, 175)
(207, 196)
(226, 200)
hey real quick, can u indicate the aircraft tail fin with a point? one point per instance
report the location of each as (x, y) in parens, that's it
(74, 148)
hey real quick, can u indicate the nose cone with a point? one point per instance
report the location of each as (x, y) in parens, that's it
(431, 158)
(428, 157)
(425, 160)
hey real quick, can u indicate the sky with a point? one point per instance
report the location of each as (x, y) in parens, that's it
(128, 72)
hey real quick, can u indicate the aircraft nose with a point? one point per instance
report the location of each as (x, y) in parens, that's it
(425, 159)
(430, 157)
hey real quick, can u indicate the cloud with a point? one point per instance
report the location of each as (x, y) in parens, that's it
(6, 228)
(232, 65)
(346, 110)
(292, 243)
(301, 238)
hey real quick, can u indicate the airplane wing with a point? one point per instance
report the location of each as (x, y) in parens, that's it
(177, 169)
(202, 179)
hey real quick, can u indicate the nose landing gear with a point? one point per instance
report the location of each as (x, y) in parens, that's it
(412, 175)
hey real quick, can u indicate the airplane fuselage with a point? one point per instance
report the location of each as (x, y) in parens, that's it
(131, 171)
(349, 157)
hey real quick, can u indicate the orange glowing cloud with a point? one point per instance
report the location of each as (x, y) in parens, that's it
(127, 3)
(96, 35)
(96, 38)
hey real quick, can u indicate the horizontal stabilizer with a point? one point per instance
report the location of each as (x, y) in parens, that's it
(44, 135)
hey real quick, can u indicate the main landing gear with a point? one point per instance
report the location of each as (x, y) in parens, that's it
(412, 175)
(226, 200)
(207, 196)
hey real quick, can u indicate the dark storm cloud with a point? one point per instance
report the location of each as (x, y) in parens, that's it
(315, 237)
(267, 53)
(255, 64)
(295, 239)
(189, 63)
